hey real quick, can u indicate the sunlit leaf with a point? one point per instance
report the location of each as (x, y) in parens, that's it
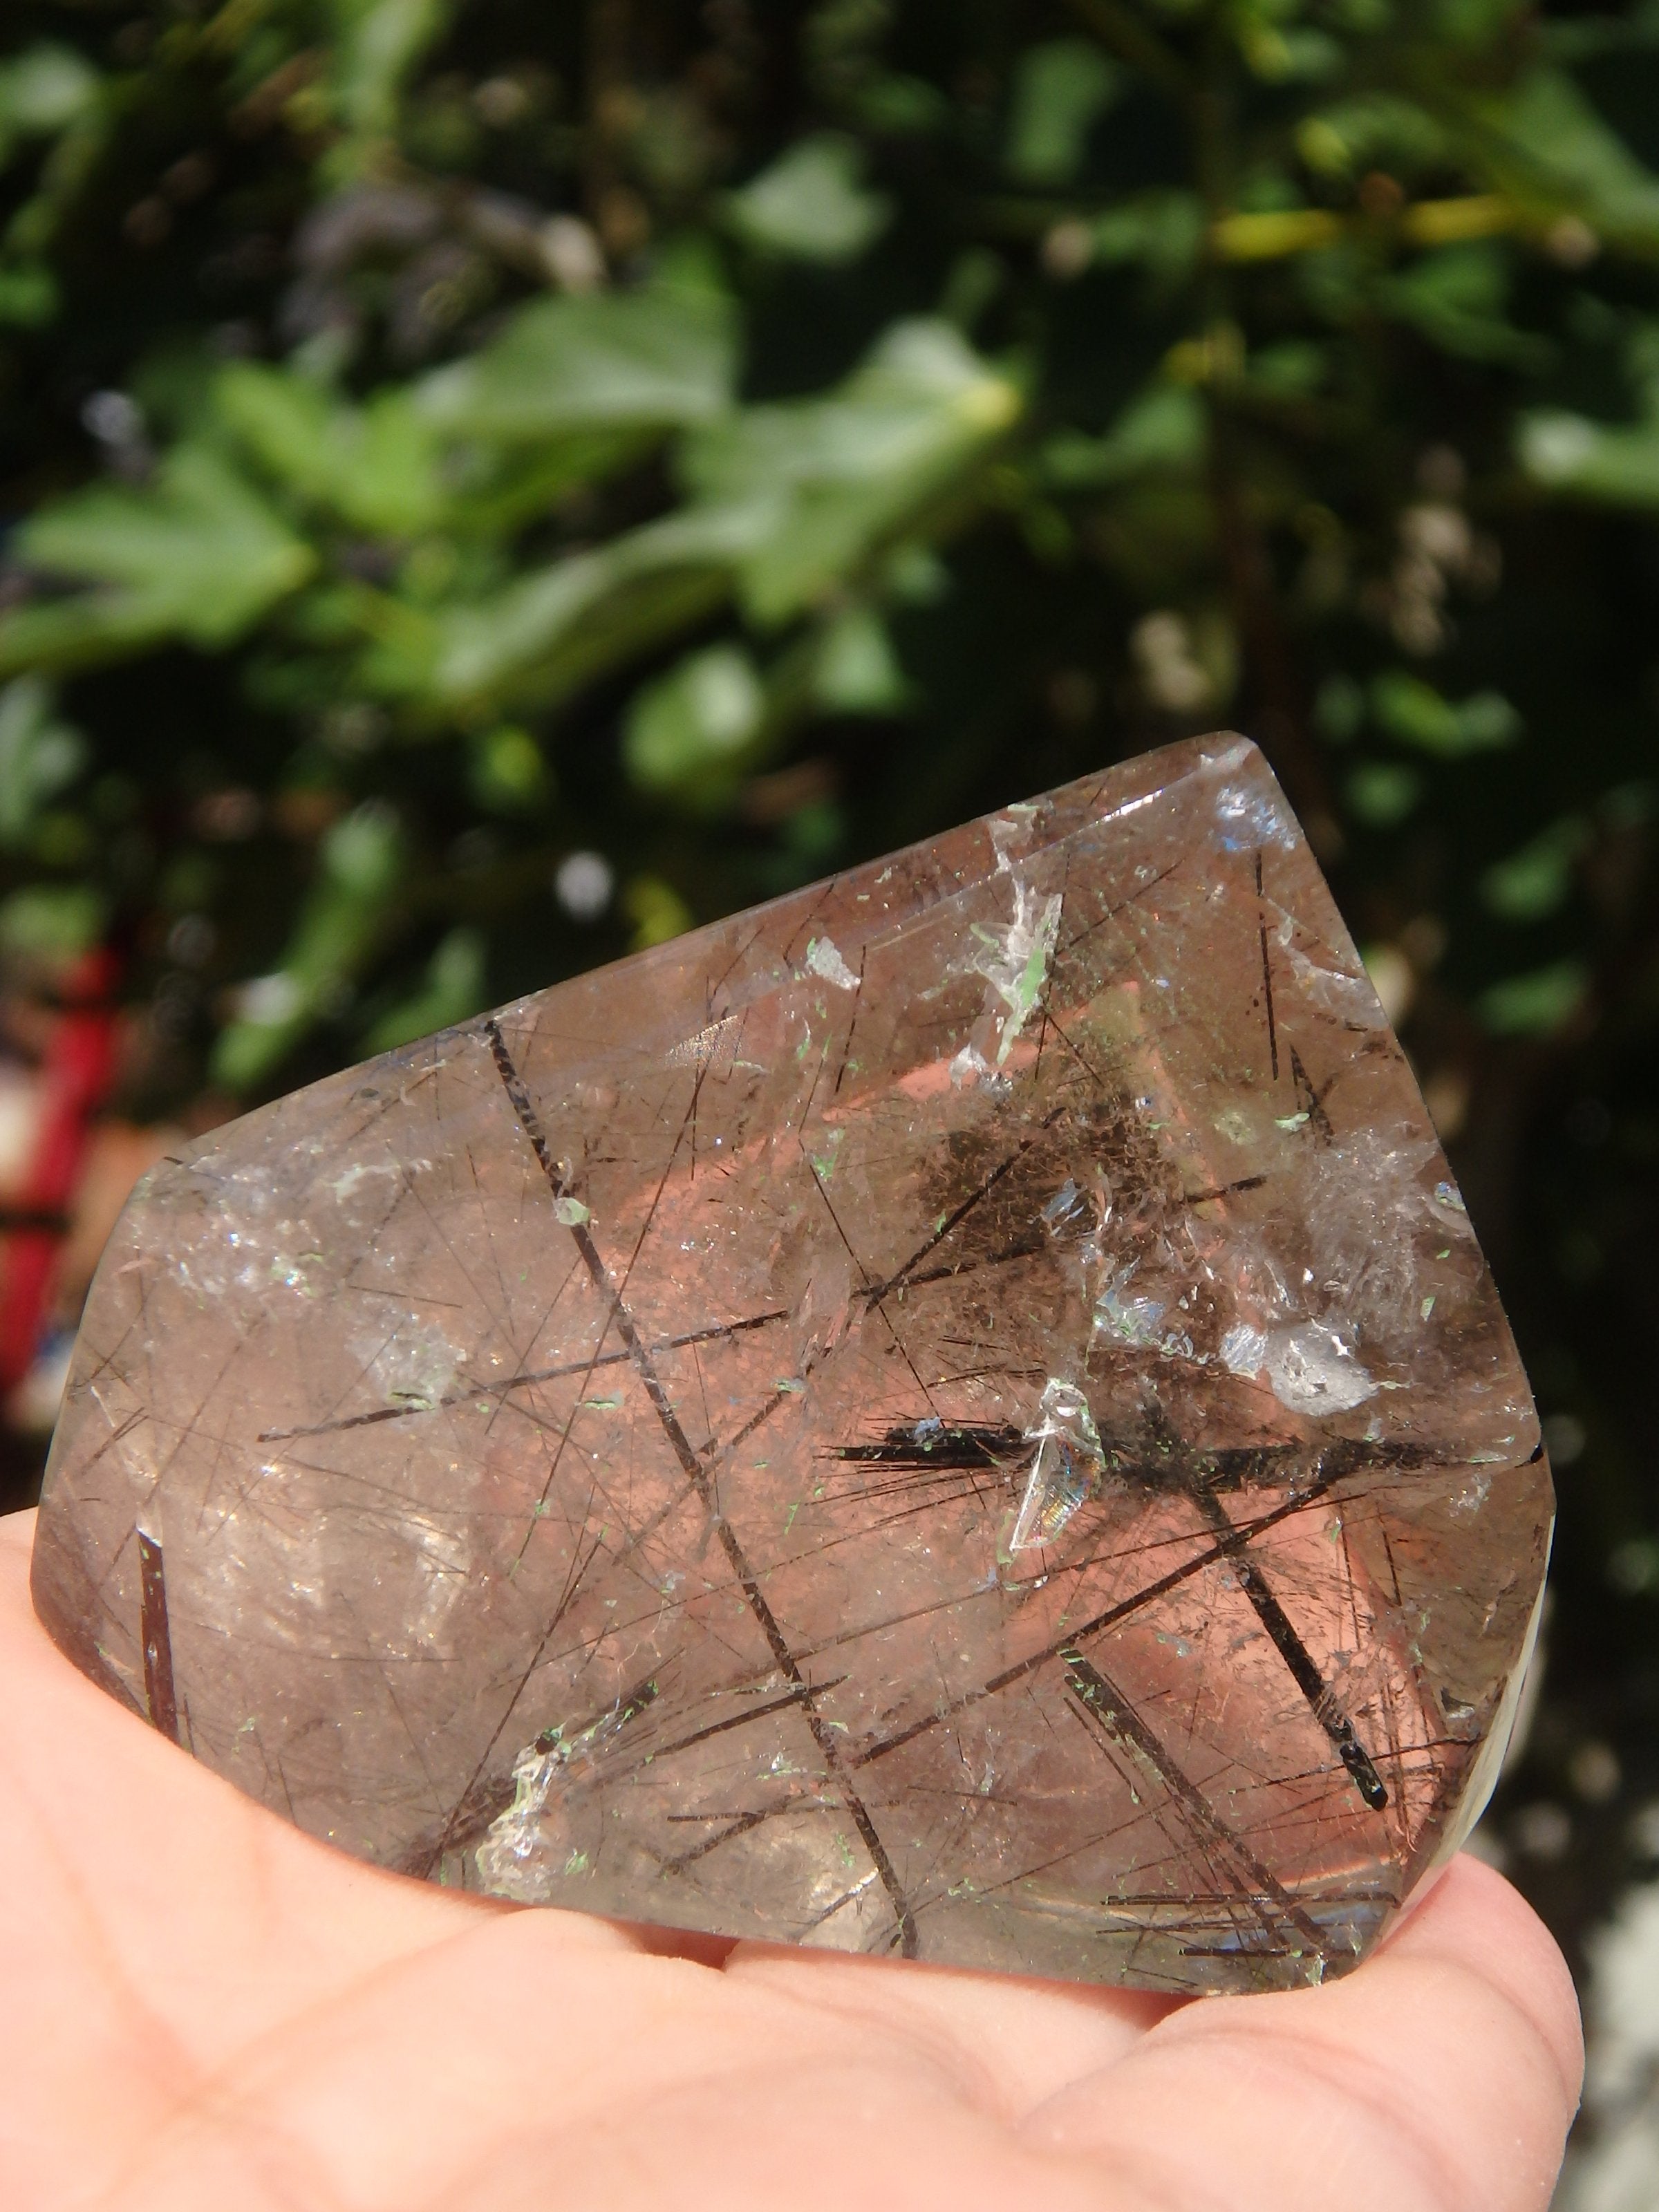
(832, 479)
(555, 627)
(691, 733)
(649, 360)
(855, 669)
(811, 205)
(375, 466)
(198, 555)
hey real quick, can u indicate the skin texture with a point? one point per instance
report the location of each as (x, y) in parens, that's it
(208, 2010)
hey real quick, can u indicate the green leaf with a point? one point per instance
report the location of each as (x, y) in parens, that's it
(1376, 129)
(1535, 881)
(1060, 89)
(832, 480)
(1456, 299)
(375, 466)
(1165, 428)
(1616, 464)
(28, 295)
(198, 555)
(1415, 714)
(1162, 230)
(1536, 1004)
(42, 91)
(377, 45)
(855, 671)
(556, 627)
(507, 773)
(690, 733)
(645, 361)
(1381, 794)
(656, 910)
(1339, 710)
(456, 986)
(344, 919)
(1544, 143)
(39, 756)
(811, 205)
(52, 921)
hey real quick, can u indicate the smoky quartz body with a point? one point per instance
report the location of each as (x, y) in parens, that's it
(958, 1415)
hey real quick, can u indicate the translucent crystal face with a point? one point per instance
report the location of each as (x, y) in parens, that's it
(958, 1415)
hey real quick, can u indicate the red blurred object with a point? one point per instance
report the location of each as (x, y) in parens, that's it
(75, 1075)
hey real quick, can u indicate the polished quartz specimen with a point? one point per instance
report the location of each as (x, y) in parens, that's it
(958, 1415)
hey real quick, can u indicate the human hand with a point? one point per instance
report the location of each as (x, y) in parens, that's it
(209, 2012)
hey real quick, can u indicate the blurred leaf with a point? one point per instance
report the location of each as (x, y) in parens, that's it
(855, 671)
(1339, 710)
(1414, 712)
(1375, 130)
(656, 910)
(456, 988)
(39, 756)
(1544, 140)
(811, 205)
(377, 43)
(1616, 464)
(43, 90)
(198, 555)
(1456, 299)
(1166, 428)
(342, 923)
(29, 296)
(375, 466)
(1535, 1004)
(1060, 89)
(1381, 794)
(52, 921)
(508, 773)
(692, 732)
(641, 362)
(828, 481)
(555, 629)
(1164, 230)
(1535, 881)
(1292, 370)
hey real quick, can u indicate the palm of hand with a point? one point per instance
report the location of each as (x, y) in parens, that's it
(211, 2013)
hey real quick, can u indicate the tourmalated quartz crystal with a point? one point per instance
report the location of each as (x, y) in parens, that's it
(958, 1415)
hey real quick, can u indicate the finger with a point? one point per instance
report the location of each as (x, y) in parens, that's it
(1441, 2077)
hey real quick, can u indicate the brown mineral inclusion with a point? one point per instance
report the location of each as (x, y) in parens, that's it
(958, 1415)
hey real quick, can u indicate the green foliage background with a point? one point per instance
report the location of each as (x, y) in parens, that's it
(441, 437)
